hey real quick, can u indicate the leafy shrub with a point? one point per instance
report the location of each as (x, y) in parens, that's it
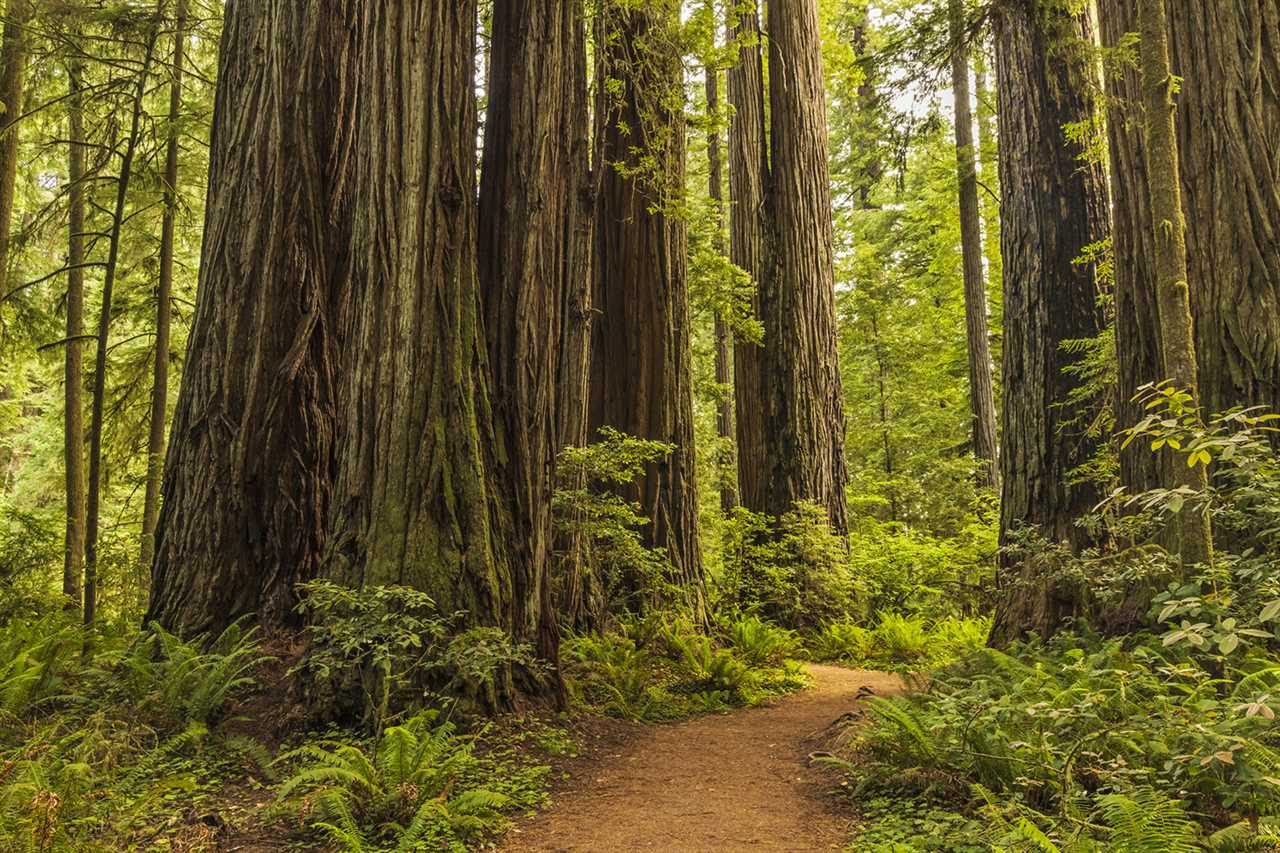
(415, 788)
(588, 510)
(899, 642)
(793, 571)
(1051, 740)
(662, 668)
(908, 570)
(388, 648)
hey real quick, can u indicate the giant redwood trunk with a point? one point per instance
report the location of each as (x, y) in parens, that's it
(1132, 243)
(248, 477)
(1228, 56)
(804, 412)
(748, 176)
(641, 382)
(415, 501)
(528, 218)
(1053, 205)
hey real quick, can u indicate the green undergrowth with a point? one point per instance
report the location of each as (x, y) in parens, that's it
(899, 643)
(1082, 744)
(156, 743)
(660, 668)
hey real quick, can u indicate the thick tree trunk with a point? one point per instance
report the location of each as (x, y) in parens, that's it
(248, 477)
(73, 400)
(93, 500)
(1173, 298)
(1137, 322)
(723, 371)
(1228, 56)
(1053, 205)
(748, 176)
(641, 382)
(164, 292)
(415, 500)
(804, 421)
(528, 214)
(982, 402)
(13, 73)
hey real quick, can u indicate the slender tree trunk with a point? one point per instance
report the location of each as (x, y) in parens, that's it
(1228, 57)
(528, 213)
(164, 292)
(248, 478)
(982, 402)
(882, 391)
(1138, 345)
(804, 422)
(724, 378)
(748, 176)
(989, 195)
(73, 423)
(94, 498)
(1173, 298)
(641, 382)
(1053, 205)
(13, 72)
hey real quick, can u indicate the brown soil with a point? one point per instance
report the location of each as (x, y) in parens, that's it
(739, 781)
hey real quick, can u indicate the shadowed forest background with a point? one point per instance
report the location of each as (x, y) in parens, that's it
(395, 395)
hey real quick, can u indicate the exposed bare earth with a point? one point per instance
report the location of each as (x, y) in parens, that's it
(739, 781)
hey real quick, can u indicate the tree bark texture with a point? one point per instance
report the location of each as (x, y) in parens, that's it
(579, 597)
(1138, 343)
(164, 294)
(528, 219)
(248, 478)
(1228, 124)
(73, 380)
(804, 410)
(415, 501)
(641, 381)
(748, 174)
(982, 402)
(1053, 205)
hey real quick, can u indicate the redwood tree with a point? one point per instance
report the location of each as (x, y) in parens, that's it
(1053, 205)
(804, 412)
(1228, 121)
(1137, 323)
(248, 477)
(529, 215)
(641, 382)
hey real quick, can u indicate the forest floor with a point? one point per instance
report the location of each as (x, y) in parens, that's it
(740, 781)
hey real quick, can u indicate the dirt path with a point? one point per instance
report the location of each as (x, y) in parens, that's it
(730, 782)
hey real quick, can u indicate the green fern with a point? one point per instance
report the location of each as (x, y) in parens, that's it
(1148, 821)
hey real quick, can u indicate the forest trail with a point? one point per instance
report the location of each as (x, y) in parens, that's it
(725, 782)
